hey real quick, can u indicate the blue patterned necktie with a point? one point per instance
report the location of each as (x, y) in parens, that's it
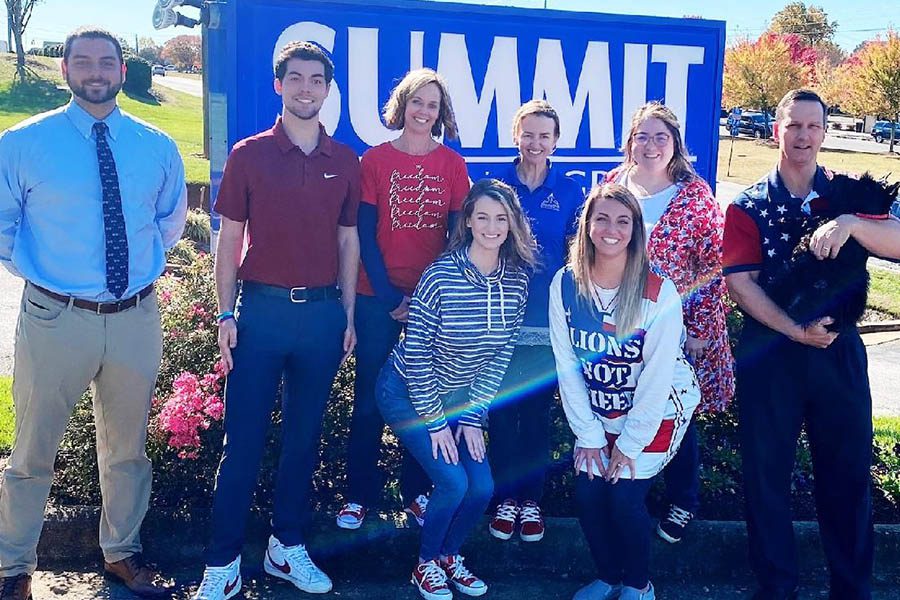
(113, 219)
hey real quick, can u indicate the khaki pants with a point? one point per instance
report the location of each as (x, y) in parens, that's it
(60, 351)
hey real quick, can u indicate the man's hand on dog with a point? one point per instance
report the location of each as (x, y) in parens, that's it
(828, 239)
(815, 334)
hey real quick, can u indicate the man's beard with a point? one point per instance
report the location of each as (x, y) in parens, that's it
(95, 96)
(303, 112)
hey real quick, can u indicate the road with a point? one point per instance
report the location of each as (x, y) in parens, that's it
(194, 87)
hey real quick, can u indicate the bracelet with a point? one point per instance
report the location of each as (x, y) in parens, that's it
(224, 316)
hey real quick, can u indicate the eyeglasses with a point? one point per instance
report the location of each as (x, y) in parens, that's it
(659, 139)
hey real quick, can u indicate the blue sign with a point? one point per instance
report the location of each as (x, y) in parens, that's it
(595, 69)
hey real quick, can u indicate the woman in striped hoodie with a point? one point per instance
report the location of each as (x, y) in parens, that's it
(435, 390)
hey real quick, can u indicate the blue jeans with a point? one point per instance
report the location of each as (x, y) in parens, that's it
(461, 491)
(305, 343)
(377, 333)
(616, 525)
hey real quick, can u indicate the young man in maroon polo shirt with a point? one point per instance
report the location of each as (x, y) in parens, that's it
(295, 192)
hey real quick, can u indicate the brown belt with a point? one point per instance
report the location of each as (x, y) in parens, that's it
(100, 308)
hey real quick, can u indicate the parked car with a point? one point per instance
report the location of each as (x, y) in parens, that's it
(882, 131)
(158, 70)
(757, 125)
(170, 67)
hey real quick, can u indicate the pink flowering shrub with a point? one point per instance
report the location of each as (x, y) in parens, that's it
(194, 405)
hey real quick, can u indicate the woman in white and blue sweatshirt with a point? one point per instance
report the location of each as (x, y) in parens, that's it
(435, 390)
(626, 388)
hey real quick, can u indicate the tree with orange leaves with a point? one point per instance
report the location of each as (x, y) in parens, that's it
(868, 83)
(182, 51)
(757, 74)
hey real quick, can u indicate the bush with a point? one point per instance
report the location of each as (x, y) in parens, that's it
(185, 438)
(138, 79)
(197, 229)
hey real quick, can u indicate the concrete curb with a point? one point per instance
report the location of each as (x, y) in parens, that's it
(879, 326)
(713, 550)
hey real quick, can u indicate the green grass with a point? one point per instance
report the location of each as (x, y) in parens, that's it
(884, 291)
(887, 450)
(6, 415)
(752, 159)
(178, 114)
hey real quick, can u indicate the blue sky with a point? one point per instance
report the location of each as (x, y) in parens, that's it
(857, 20)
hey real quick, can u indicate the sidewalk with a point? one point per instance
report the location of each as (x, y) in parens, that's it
(374, 561)
(395, 586)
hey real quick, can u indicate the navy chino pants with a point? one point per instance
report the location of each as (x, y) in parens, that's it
(519, 425)
(781, 386)
(304, 342)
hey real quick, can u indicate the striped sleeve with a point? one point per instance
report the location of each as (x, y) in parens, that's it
(424, 318)
(487, 380)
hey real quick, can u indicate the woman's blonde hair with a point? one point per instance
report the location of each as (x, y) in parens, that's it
(519, 250)
(679, 169)
(395, 109)
(540, 108)
(582, 255)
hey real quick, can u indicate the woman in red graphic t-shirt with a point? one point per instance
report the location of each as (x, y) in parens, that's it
(411, 189)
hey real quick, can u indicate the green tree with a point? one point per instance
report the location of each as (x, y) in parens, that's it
(19, 12)
(811, 23)
(149, 50)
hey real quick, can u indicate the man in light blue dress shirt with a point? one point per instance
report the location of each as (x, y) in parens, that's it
(90, 200)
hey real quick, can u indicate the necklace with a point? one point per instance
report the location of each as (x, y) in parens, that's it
(607, 308)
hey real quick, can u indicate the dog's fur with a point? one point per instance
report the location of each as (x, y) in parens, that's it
(808, 289)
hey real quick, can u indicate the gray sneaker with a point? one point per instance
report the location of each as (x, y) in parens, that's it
(598, 590)
(630, 593)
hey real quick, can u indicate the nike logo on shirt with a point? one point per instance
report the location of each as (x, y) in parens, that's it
(330, 176)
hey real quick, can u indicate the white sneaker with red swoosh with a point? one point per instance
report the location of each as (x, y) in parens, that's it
(292, 563)
(220, 583)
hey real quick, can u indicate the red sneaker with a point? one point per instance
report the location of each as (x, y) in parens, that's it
(416, 509)
(461, 578)
(351, 516)
(431, 581)
(531, 522)
(503, 525)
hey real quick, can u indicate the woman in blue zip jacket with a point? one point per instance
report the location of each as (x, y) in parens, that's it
(520, 417)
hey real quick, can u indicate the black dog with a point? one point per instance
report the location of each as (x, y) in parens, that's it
(807, 288)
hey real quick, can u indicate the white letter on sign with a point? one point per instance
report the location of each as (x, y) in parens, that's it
(678, 60)
(634, 88)
(501, 80)
(362, 76)
(552, 83)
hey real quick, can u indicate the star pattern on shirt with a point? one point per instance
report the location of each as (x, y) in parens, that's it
(780, 234)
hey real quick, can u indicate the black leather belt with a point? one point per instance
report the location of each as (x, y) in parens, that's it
(101, 308)
(297, 295)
